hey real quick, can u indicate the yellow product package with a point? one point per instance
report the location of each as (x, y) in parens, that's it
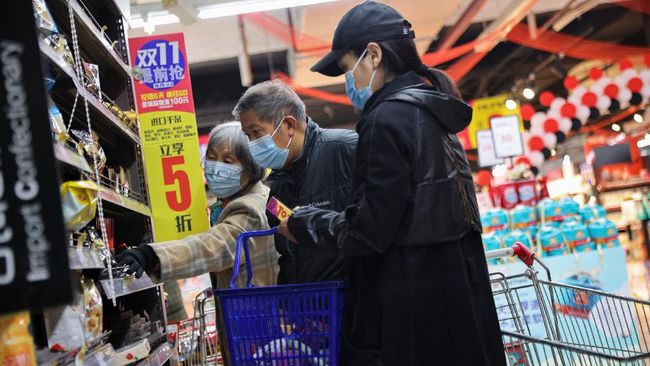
(79, 201)
(16, 344)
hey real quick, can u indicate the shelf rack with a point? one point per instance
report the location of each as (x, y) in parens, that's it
(122, 145)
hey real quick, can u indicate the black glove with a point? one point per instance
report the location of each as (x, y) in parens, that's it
(313, 226)
(138, 260)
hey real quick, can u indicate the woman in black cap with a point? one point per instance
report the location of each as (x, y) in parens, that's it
(419, 286)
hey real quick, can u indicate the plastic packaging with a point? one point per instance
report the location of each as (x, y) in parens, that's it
(79, 204)
(16, 344)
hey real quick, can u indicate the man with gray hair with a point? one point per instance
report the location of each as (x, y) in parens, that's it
(312, 166)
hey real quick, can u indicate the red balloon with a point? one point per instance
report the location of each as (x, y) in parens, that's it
(595, 73)
(625, 64)
(546, 98)
(635, 85)
(523, 160)
(571, 82)
(589, 99)
(568, 110)
(536, 143)
(527, 111)
(646, 59)
(611, 90)
(551, 125)
(483, 178)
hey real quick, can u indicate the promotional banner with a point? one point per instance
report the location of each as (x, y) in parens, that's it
(170, 145)
(597, 320)
(34, 270)
(486, 109)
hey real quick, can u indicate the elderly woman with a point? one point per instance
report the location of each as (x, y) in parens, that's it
(235, 179)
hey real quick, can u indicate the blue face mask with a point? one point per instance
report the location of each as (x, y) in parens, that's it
(266, 153)
(223, 179)
(359, 98)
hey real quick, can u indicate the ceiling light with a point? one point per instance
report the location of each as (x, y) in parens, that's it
(511, 104)
(528, 93)
(251, 6)
(616, 127)
(553, 152)
(638, 118)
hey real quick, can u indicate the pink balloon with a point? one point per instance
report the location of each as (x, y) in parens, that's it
(583, 113)
(538, 119)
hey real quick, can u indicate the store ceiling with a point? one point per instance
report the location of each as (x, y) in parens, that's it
(214, 46)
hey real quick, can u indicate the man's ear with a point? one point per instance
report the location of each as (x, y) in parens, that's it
(292, 124)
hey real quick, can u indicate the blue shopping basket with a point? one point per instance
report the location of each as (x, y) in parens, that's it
(284, 325)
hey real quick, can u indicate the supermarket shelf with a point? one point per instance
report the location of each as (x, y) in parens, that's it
(631, 184)
(126, 286)
(49, 53)
(104, 45)
(67, 155)
(158, 357)
(84, 258)
(111, 196)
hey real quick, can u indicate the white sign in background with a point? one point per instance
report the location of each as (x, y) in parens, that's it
(485, 145)
(508, 142)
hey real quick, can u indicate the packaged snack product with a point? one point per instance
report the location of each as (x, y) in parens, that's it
(16, 344)
(88, 146)
(79, 203)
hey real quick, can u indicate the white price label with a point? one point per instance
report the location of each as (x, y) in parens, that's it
(485, 145)
(507, 136)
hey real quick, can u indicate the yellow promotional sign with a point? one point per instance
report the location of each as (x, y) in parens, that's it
(170, 143)
(485, 109)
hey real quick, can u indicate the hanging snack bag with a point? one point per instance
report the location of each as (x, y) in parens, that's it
(79, 201)
(44, 19)
(92, 303)
(88, 146)
(16, 344)
(56, 121)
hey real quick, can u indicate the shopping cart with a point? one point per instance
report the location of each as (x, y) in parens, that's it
(544, 323)
(279, 325)
(197, 337)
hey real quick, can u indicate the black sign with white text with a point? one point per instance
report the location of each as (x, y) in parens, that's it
(34, 269)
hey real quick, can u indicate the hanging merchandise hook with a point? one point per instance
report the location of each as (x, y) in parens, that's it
(100, 206)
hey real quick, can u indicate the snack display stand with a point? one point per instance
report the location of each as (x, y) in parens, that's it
(119, 319)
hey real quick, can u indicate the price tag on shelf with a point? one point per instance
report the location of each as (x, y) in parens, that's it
(486, 154)
(170, 146)
(506, 134)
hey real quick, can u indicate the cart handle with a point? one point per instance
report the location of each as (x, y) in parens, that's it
(242, 241)
(519, 250)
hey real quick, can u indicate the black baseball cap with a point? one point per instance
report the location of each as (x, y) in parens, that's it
(367, 22)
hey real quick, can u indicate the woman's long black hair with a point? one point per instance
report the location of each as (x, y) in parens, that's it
(401, 55)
